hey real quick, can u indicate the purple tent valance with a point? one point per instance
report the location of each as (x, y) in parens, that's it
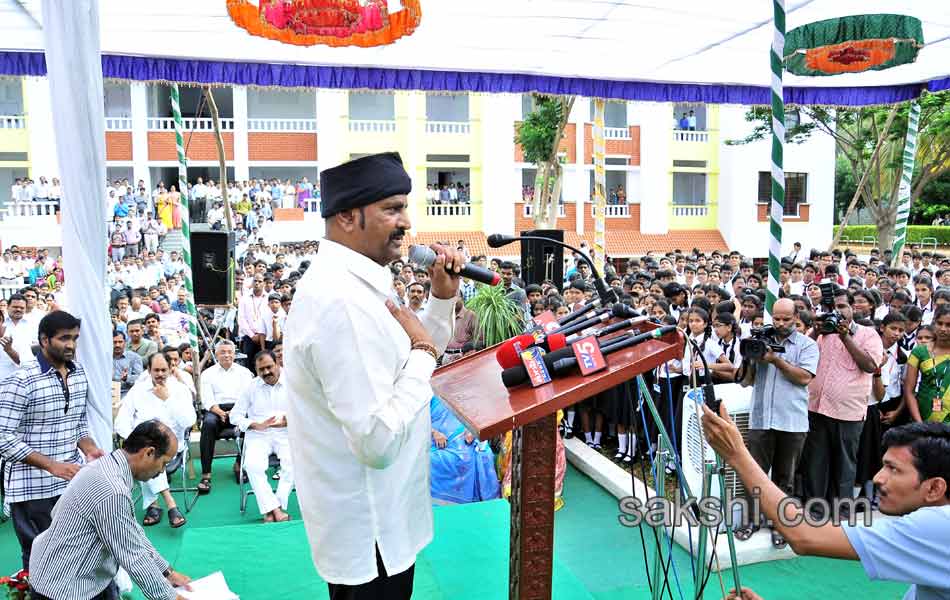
(138, 68)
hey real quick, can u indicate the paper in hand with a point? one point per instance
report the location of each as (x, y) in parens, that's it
(212, 587)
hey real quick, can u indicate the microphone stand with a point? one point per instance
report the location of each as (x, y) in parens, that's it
(607, 295)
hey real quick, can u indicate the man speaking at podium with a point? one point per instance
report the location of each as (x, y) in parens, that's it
(358, 366)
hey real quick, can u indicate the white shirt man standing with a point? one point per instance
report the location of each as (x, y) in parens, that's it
(358, 372)
(261, 412)
(16, 337)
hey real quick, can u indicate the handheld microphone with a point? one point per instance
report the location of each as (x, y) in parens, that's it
(423, 256)
(607, 295)
(563, 360)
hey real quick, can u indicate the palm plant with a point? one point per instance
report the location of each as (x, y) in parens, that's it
(498, 317)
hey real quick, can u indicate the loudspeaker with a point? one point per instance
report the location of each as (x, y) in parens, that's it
(212, 254)
(542, 261)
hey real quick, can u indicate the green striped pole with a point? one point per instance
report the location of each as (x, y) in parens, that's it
(778, 150)
(903, 194)
(185, 222)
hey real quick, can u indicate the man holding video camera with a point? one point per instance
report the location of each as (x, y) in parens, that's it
(779, 363)
(837, 397)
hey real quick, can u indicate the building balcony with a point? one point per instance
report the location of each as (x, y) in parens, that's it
(118, 123)
(12, 122)
(694, 216)
(695, 149)
(617, 133)
(449, 127)
(188, 124)
(613, 211)
(372, 126)
(680, 135)
(282, 125)
(528, 210)
(449, 217)
(18, 210)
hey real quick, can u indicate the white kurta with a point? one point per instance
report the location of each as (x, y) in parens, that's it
(359, 417)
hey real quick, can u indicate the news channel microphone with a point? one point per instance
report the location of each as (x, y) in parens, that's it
(424, 257)
(607, 295)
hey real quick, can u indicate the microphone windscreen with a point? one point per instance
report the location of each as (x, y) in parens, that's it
(622, 311)
(556, 341)
(497, 240)
(507, 356)
(421, 256)
(514, 376)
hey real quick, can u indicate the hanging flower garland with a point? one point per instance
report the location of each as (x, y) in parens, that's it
(853, 44)
(362, 23)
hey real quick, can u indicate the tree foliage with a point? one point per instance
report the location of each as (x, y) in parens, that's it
(539, 137)
(856, 132)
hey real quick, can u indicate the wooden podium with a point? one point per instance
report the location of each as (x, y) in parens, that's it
(473, 390)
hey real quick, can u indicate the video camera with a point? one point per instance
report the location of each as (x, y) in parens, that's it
(759, 342)
(829, 321)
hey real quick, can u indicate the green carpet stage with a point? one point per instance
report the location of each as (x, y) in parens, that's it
(595, 557)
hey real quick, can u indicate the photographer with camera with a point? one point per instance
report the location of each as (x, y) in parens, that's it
(837, 397)
(779, 363)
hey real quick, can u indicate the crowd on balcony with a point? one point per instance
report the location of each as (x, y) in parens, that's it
(452, 193)
(26, 190)
(687, 122)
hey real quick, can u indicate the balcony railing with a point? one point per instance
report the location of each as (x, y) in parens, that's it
(613, 211)
(451, 127)
(289, 125)
(118, 124)
(616, 133)
(189, 124)
(448, 210)
(12, 122)
(680, 135)
(529, 210)
(374, 126)
(690, 210)
(31, 209)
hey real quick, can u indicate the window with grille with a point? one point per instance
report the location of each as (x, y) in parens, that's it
(796, 190)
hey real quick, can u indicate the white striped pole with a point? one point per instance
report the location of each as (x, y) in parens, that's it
(600, 183)
(185, 222)
(907, 174)
(778, 150)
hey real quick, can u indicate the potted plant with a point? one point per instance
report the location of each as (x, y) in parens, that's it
(498, 317)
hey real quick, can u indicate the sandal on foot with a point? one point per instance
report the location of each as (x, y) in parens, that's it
(282, 519)
(175, 518)
(268, 518)
(204, 486)
(153, 516)
(744, 533)
(778, 540)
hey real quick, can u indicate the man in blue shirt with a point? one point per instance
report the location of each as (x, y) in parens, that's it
(914, 547)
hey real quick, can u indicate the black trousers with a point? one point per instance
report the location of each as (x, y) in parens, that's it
(778, 451)
(829, 461)
(384, 587)
(31, 518)
(110, 593)
(211, 426)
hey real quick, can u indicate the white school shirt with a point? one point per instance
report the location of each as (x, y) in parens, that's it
(141, 404)
(711, 350)
(268, 319)
(260, 402)
(359, 416)
(219, 386)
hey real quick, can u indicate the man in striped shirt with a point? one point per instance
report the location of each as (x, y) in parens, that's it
(94, 530)
(43, 428)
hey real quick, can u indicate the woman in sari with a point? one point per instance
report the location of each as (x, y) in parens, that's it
(174, 198)
(931, 401)
(503, 465)
(163, 207)
(462, 467)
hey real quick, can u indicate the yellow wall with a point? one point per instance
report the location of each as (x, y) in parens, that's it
(16, 140)
(707, 151)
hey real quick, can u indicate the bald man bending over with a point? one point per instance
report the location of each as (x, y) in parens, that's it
(778, 423)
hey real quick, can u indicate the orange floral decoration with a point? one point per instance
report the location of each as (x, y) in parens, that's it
(850, 57)
(327, 22)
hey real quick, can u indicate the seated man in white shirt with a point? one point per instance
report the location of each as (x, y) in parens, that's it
(261, 412)
(221, 386)
(173, 356)
(163, 398)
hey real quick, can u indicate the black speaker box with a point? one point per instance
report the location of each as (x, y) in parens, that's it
(540, 260)
(212, 266)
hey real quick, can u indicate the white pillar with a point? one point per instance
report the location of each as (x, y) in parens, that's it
(501, 183)
(140, 171)
(331, 127)
(415, 158)
(655, 167)
(581, 185)
(43, 160)
(241, 167)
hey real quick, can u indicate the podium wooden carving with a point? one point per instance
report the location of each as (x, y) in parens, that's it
(473, 390)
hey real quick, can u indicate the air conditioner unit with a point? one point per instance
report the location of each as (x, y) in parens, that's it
(696, 450)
